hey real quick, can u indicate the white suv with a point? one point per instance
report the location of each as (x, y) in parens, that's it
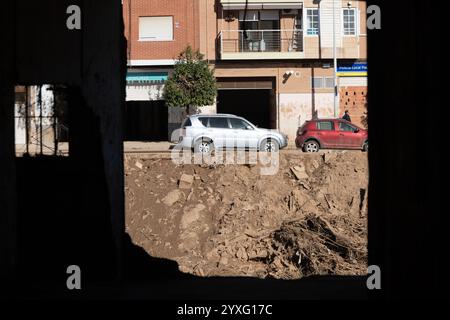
(205, 133)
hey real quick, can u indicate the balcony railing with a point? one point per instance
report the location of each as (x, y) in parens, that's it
(262, 41)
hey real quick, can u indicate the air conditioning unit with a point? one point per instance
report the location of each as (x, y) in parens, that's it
(290, 11)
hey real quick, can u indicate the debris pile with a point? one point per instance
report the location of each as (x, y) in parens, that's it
(229, 220)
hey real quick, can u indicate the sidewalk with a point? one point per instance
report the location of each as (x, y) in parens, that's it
(147, 147)
(160, 147)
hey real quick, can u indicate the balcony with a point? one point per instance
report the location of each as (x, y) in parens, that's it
(261, 44)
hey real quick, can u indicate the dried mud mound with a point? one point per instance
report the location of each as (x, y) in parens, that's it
(308, 219)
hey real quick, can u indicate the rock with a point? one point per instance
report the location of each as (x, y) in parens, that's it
(258, 254)
(223, 261)
(315, 164)
(242, 254)
(328, 157)
(305, 185)
(139, 165)
(172, 197)
(191, 216)
(190, 195)
(299, 172)
(186, 181)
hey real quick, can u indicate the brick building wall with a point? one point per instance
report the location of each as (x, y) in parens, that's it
(185, 15)
(354, 99)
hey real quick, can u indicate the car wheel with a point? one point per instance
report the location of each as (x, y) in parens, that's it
(311, 146)
(203, 146)
(366, 146)
(269, 145)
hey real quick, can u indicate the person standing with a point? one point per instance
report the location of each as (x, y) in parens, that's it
(347, 116)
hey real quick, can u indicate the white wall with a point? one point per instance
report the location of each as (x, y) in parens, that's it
(296, 108)
(145, 93)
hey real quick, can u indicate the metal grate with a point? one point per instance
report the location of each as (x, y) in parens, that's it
(41, 120)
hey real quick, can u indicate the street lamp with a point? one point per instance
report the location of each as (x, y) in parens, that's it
(336, 100)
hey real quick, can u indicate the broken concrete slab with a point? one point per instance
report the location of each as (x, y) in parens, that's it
(139, 165)
(186, 181)
(329, 156)
(299, 172)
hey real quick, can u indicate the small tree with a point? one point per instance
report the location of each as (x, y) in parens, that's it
(192, 83)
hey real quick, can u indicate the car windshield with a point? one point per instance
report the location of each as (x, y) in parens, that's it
(346, 127)
(187, 123)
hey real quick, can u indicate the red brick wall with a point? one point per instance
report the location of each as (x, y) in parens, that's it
(353, 99)
(186, 27)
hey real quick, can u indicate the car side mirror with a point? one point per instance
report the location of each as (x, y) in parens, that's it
(356, 130)
(249, 128)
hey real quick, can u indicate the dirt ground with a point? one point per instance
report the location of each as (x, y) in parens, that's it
(308, 219)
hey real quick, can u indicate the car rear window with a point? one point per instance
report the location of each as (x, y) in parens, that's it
(325, 125)
(204, 121)
(218, 123)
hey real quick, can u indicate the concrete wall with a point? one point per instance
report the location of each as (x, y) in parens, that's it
(40, 49)
(296, 108)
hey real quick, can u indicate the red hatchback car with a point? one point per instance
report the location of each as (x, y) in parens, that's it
(331, 134)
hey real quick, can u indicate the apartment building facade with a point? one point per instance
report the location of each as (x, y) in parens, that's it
(157, 31)
(273, 59)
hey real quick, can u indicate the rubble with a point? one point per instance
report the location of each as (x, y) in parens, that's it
(308, 219)
(139, 165)
(186, 181)
(299, 172)
(172, 197)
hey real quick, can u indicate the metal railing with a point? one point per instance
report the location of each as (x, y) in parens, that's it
(236, 41)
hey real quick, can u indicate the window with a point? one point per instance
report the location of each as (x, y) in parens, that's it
(156, 28)
(42, 119)
(325, 125)
(349, 19)
(312, 22)
(323, 82)
(346, 127)
(238, 124)
(204, 121)
(187, 123)
(317, 82)
(218, 123)
(329, 82)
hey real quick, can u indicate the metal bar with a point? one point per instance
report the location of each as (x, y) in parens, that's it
(336, 111)
(55, 138)
(27, 127)
(40, 121)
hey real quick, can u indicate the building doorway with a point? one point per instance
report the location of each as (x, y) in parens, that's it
(253, 105)
(146, 121)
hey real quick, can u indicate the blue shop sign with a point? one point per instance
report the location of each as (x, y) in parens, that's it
(357, 69)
